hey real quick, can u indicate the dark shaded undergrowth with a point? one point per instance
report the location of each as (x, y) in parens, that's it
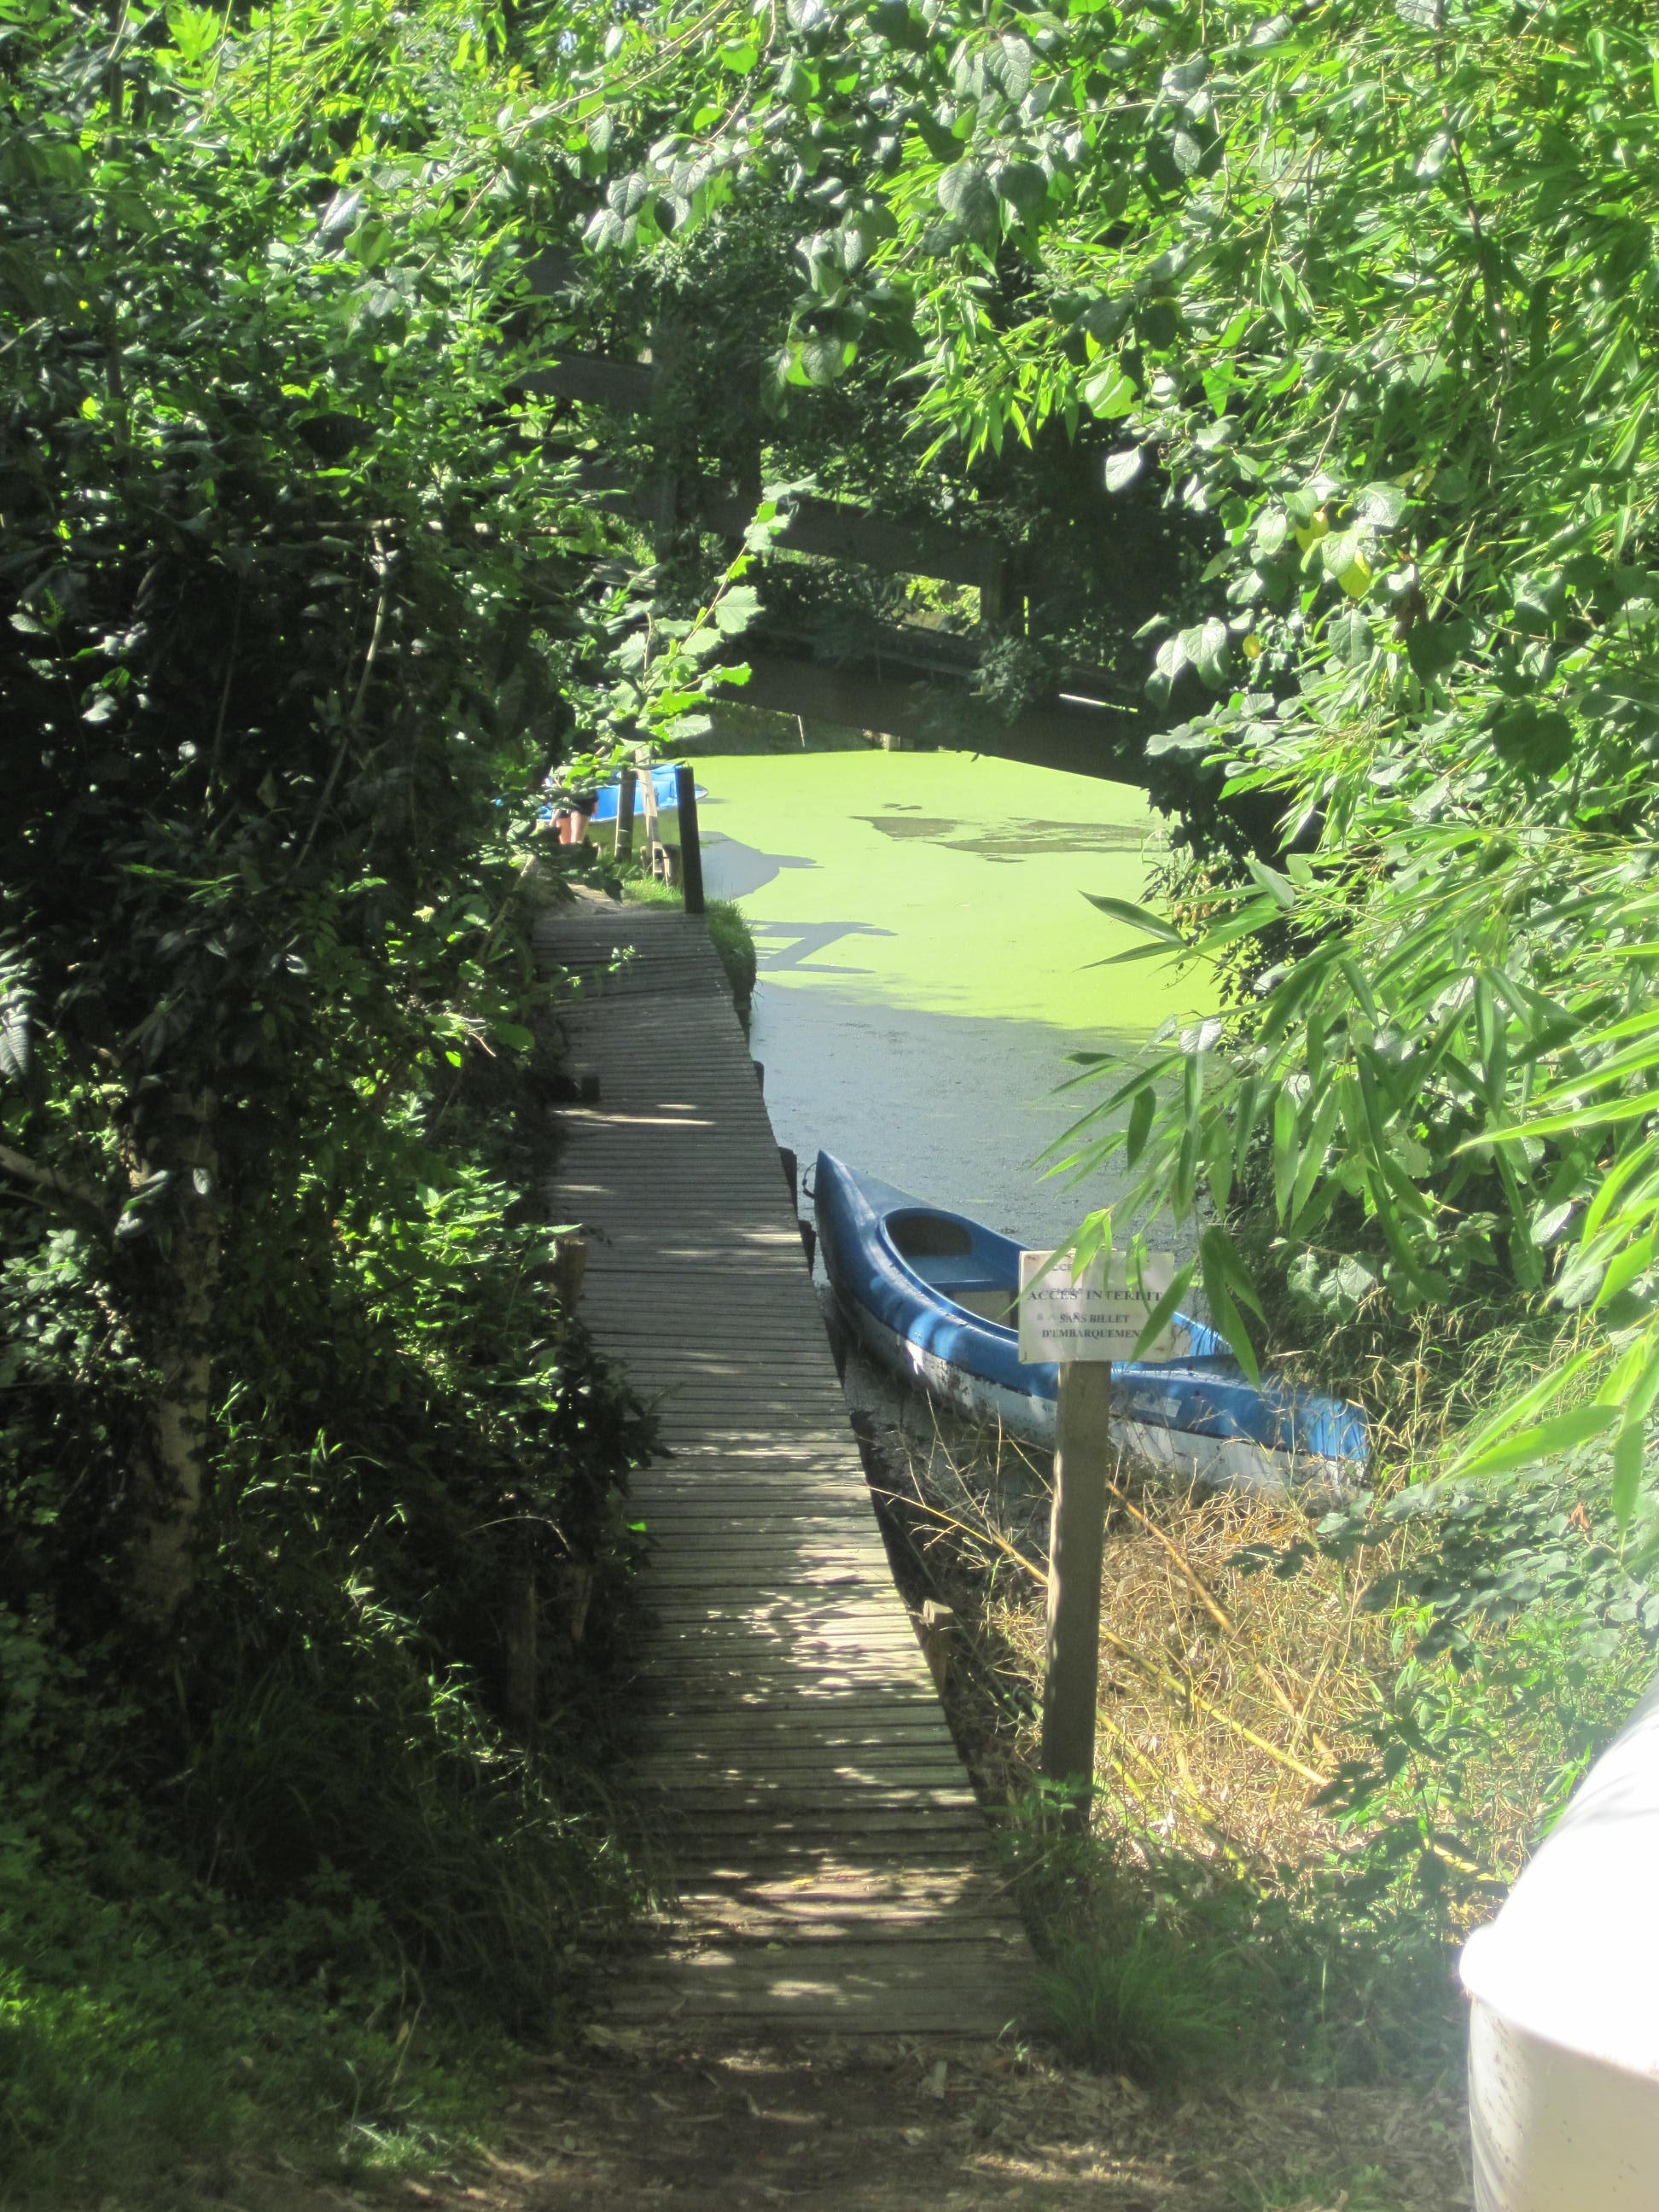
(290, 1882)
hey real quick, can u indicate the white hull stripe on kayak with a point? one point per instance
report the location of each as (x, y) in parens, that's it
(1227, 1463)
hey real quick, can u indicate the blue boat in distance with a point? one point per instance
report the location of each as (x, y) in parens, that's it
(933, 1295)
(607, 801)
(663, 783)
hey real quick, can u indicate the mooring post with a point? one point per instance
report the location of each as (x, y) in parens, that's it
(625, 813)
(685, 785)
(1076, 1538)
(646, 780)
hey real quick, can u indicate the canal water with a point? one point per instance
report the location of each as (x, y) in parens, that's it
(928, 960)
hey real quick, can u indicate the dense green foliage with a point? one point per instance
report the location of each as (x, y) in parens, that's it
(313, 1541)
(1371, 287)
(1352, 309)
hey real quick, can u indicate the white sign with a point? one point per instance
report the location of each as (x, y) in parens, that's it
(1092, 1315)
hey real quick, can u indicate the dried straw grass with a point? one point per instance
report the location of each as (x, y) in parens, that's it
(1427, 1378)
(1229, 1694)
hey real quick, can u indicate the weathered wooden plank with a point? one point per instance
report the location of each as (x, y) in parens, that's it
(799, 1768)
(893, 1716)
(845, 1733)
(687, 1540)
(793, 1808)
(847, 1987)
(716, 1660)
(800, 1765)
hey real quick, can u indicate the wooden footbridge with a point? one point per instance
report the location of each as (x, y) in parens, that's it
(834, 1870)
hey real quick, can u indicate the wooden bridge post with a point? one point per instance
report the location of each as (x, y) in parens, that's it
(1076, 1538)
(685, 784)
(625, 813)
(647, 781)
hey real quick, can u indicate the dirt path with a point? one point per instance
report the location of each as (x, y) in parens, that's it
(637, 2122)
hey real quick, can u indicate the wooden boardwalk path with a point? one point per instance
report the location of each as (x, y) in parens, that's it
(835, 1870)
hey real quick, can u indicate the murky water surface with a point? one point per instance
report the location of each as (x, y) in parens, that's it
(928, 961)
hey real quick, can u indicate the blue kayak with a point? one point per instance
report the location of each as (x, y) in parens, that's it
(664, 783)
(932, 1296)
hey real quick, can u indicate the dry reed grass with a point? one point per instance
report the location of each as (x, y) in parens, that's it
(1427, 1379)
(1229, 1694)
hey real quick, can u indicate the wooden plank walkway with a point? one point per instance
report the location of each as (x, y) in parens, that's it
(835, 1871)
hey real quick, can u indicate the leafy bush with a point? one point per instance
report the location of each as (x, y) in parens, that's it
(312, 1828)
(149, 2043)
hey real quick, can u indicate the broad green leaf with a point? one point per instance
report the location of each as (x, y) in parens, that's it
(1538, 601)
(1627, 1455)
(1381, 505)
(1207, 645)
(1172, 658)
(1536, 738)
(1108, 393)
(1138, 917)
(1351, 638)
(737, 609)
(966, 196)
(1023, 185)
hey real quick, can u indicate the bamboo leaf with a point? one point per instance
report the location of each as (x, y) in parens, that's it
(1286, 1153)
(1550, 1439)
(1163, 1312)
(1627, 1455)
(1230, 1322)
(1221, 1261)
(1138, 917)
(1140, 1123)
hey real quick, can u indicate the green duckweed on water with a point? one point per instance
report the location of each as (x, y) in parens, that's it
(928, 958)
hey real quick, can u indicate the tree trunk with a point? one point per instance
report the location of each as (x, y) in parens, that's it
(172, 1476)
(521, 1612)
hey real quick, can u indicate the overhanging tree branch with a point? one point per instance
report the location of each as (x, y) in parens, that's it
(27, 1170)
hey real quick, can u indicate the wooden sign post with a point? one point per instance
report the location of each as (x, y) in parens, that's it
(647, 789)
(1082, 1322)
(1076, 1538)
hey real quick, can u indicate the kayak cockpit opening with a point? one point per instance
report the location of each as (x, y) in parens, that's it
(951, 1260)
(926, 1236)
